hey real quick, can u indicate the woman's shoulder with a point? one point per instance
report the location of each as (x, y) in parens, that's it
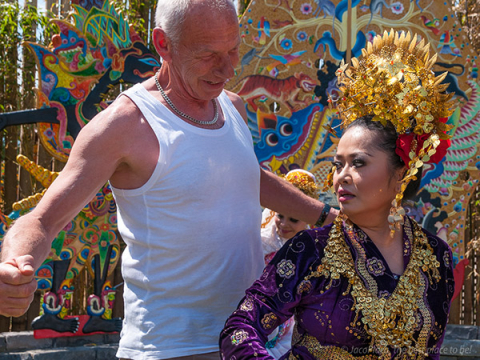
(303, 251)
(323, 232)
(318, 236)
(435, 241)
(439, 246)
(310, 241)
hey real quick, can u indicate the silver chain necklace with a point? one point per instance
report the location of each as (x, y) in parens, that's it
(181, 113)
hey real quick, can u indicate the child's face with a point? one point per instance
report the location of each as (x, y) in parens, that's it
(287, 226)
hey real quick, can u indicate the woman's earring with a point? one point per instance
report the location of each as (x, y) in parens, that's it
(395, 219)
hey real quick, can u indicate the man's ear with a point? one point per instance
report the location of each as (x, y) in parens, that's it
(162, 43)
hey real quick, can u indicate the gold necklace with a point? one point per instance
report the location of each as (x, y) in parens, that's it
(181, 113)
(391, 321)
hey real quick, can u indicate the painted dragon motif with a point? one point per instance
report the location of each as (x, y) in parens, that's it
(278, 138)
(284, 92)
(85, 60)
(463, 148)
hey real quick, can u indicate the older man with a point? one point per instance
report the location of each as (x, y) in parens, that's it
(180, 160)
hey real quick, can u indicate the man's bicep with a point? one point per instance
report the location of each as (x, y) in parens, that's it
(92, 161)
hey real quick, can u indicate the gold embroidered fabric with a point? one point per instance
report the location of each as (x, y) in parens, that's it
(393, 321)
(304, 181)
(329, 352)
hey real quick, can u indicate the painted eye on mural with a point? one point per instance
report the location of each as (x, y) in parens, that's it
(271, 139)
(274, 107)
(286, 130)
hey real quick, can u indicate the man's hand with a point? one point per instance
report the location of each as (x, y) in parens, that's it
(17, 285)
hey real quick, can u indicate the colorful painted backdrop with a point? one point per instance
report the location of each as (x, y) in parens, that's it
(289, 54)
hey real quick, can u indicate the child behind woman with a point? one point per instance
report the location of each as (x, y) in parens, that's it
(276, 230)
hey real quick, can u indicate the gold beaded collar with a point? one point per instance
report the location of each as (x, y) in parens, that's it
(391, 321)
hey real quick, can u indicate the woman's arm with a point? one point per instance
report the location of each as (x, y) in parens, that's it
(442, 297)
(271, 300)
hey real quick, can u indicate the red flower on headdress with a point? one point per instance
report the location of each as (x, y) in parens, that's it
(404, 143)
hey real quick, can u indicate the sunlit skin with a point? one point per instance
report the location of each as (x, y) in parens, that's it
(202, 62)
(287, 226)
(365, 185)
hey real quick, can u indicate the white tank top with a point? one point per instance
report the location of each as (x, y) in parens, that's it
(192, 234)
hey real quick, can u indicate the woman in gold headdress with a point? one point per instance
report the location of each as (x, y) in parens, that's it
(374, 284)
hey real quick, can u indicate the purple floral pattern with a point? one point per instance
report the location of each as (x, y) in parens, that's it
(446, 258)
(324, 316)
(269, 321)
(286, 269)
(305, 287)
(247, 304)
(238, 337)
(375, 266)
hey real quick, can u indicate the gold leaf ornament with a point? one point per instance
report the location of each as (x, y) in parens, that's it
(393, 77)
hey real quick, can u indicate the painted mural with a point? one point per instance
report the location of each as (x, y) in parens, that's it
(94, 50)
(289, 54)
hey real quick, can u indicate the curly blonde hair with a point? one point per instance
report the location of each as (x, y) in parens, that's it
(303, 180)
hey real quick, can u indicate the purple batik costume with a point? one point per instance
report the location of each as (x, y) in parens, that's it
(324, 316)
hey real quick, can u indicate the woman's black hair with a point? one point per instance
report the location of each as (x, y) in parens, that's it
(386, 141)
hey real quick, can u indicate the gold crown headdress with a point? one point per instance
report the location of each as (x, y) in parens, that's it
(394, 82)
(303, 180)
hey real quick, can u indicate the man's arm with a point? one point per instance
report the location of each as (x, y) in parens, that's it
(281, 196)
(95, 157)
(284, 198)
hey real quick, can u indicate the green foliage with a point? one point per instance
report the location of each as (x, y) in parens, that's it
(242, 6)
(9, 38)
(136, 12)
(18, 24)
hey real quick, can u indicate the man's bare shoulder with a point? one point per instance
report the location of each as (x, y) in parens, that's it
(234, 98)
(121, 136)
(121, 129)
(122, 121)
(122, 112)
(238, 103)
(112, 131)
